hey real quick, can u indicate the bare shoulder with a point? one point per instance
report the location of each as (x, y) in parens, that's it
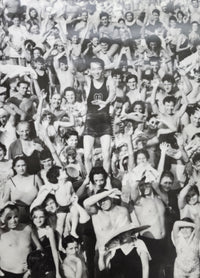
(121, 210)
(25, 227)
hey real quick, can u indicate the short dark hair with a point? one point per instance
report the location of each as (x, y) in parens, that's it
(172, 17)
(40, 60)
(38, 48)
(151, 116)
(156, 11)
(102, 14)
(129, 12)
(116, 72)
(69, 239)
(138, 102)
(44, 154)
(96, 171)
(71, 132)
(69, 89)
(49, 196)
(22, 81)
(169, 99)
(167, 174)
(53, 174)
(130, 76)
(169, 78)
(63, 60)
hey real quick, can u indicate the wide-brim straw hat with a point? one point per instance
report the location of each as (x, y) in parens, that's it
(127, 228)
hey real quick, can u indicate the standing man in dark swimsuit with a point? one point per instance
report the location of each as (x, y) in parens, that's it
(99, 92)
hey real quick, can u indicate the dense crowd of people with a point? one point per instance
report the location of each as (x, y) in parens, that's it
(100, 138)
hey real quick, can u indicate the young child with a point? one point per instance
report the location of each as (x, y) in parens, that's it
(186, 240)
(59, 185)
(73, 264)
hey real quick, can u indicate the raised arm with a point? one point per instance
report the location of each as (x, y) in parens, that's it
(182, 195)
(93, 200)
(177, 226)
(153, 97)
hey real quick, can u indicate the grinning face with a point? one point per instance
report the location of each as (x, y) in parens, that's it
(129, 17)
(167, 86)
(166, 184)
(23, 131)
(50, 205)
(95, 41)
(56, 101)
(169, 108)
(96, 71)
(132, 84)
(38, 218)
(70, 97)
(153, 123)
(72, 141)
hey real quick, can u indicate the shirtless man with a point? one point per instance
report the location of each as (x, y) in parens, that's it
(169, 118)
(15, 243)
(150, 210)
(193, 127)
(64, 71)
(98, 179)
(106, 218)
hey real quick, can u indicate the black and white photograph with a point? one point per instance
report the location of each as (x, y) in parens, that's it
(100, 138)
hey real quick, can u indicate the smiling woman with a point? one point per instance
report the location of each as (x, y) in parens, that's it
(47, 238)
(22, 188)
